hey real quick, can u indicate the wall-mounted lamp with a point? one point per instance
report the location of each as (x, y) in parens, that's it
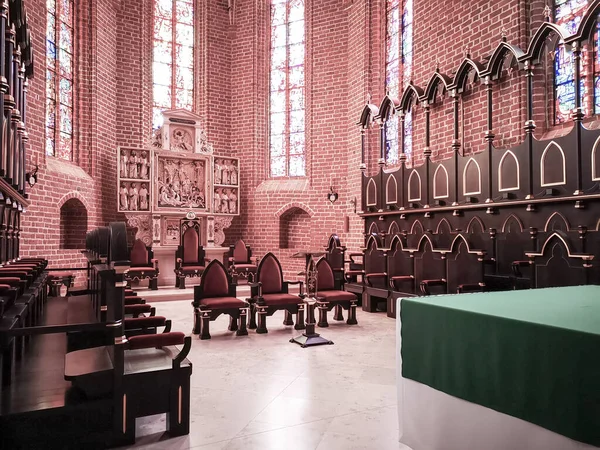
(332, 196)
(353, 203)
(32, 176)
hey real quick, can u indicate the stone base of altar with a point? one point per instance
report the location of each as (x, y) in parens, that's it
(166, 265)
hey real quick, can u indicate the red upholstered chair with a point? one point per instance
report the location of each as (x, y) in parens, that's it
(216, 295)
(143, 264)
(241, 262)
(190, 259)
(329, 297)
(272, 295)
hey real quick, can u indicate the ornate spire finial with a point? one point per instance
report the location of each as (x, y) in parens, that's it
(547, 13)
(368, 98)
(437, 64)
(468, 51)
(504, 34)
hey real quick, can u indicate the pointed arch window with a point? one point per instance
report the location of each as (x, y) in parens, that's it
(287, 152)
(173, 57)
(59, 79)
(398, 70)
(567, 13)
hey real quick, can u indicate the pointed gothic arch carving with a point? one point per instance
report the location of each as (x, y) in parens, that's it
(509, 172)
(371, 193)
(373, 229)
(553, 166)
(441, 187)
(417, 227)
(557, 218)
(443, 227)
(475, 225)
(511, 221)
(394, 229)
(414, 186)
(391, 190)
(472, 178)
(596, 161)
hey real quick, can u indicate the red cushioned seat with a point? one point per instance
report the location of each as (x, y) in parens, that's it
(133, 300)
(144, 322)
(336, 296)
(156, 340)
(223, 303)
(5, 286)
(192, 269)
(145, 269)
(137, 309)
(279, 299)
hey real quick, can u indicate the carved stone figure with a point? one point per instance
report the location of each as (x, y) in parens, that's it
(144, 166)
(226, 177)
(180, 183)
(233, 178)
(182, 140)
(124, 166)
(144, 197)
(217, 200)
(232, 199)
(218, 168)
(124, 197)
(133, 197)
(133, 165)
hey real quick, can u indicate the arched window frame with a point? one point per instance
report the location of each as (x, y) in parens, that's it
(59, 79)
(398, 72)
(287, 89)
(173, 57)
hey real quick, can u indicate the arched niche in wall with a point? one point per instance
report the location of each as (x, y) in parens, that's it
(440, 183)
(391, 190)
(557, 222)
(512, 224)
(373, 229)
(472, 178)
(553, 166)
(295, 228)
(394, 229)
(475, 225)
(508, 172)
(596, 161)
(371, 193)
(414, 186)
(73, 224)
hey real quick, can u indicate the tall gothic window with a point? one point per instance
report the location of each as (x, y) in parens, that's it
(287, 139)
(59, 79)
(398, 70)
(173, 66)
(568, 14)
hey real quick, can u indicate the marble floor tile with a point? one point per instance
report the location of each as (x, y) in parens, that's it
(262, 392)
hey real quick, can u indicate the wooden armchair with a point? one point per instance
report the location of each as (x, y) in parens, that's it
(271, 294)
(241, 262)
(328, 297)
(216, 295)
(190, 259)
(143, 265)
(335, 253)
(376, 274)
(430, 268)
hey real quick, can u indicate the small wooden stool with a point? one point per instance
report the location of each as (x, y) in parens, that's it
(58, 279)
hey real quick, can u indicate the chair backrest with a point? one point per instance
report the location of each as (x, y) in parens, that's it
(325, 280)
(215, 282)
(189, 242)
(240, 253)
(269, 273)
(139, 254)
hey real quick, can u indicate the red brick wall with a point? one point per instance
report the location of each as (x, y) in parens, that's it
(345, 55)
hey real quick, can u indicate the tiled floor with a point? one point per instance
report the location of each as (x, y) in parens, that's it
(262, 392)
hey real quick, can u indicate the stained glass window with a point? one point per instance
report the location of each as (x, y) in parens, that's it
(59, 79)
(398, 69)
(173, 62)
(568, 14)
(597, 69)
(287, 111)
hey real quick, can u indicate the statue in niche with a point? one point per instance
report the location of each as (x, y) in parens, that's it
(217, 200)
(226, 176)
(144, 195)
(232, 200)
(225, 201)
(124, 165)
(144, 166)
(133, 165)
(233, 178)
(182, 140)
(124, 197)
(218, 167)
(134, 197)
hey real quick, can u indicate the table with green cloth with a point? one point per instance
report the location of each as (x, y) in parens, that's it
(531, 355)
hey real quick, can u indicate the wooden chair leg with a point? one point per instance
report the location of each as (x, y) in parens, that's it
(300, 325)
(339, 313)
(242, 331)
(233, 326)
(178, 417)
(252, 318)
(181, 282)
(262, 320)
(287, 318)
(176, 280)
(323, 316)
(205, 325)
(197, 321)
(352, 314)
(153, 285)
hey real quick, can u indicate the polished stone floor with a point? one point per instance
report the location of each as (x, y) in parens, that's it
(262, 392)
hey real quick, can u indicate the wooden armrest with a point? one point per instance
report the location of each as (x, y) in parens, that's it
(338, 269)
(426, 284)
(470, 287)
(354, 254)
(399, 279)
(145, 322)
(230, 259)
(516, 267)
(179, 260)
(376, 275)
(522, 263)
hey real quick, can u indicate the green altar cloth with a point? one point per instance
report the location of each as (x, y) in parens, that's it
(532, 354)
